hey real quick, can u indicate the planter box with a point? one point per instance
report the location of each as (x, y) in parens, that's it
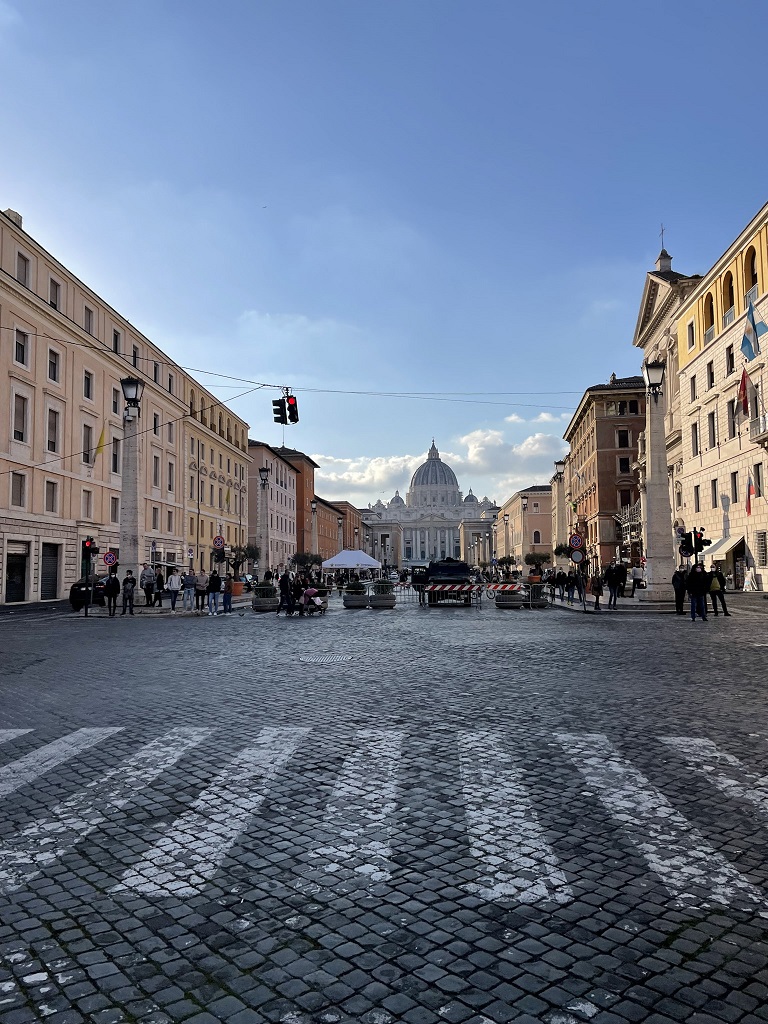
(265, 604)
(237, 588)
(355, 600)
(510, 599)
(382, 600)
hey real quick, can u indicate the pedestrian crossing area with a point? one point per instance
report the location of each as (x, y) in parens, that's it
(341, 816)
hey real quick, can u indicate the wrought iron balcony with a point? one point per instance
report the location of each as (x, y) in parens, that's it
(758, 430)
(751, 296)
(728, 316)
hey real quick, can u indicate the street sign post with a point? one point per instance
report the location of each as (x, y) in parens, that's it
(577, 556)
(110, 558)
(575, 541)
(218, 542)
(190, 552)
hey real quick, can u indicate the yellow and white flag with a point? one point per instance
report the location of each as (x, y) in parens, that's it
(100, 445)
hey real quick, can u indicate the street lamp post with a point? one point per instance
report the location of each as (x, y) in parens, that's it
(658, 543)
(130, 527)
(488, 548)
(340, 524)
(494, 549)
(506, 535)
(313, 506)
(357, 531)
(264, 518)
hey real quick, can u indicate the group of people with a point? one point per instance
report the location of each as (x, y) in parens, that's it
(615, 578)
(298, 593)
(698, 583)
(199, 590)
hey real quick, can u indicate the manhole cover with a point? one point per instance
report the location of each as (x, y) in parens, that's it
(326, 659)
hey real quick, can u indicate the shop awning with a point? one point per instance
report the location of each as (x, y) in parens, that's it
(720, 546)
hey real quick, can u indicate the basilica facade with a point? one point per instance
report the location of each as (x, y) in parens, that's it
(433, 521)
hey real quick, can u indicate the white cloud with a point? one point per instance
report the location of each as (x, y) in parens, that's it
(514, 418)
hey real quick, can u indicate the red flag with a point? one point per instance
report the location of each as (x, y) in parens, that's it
(743, 395)
(750, 496)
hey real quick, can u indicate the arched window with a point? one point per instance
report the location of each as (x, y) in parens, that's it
(537, 536)
(229, 430)
(221, 428)
(203, 418)
(728, 303)
(709, 318)
(750, 276)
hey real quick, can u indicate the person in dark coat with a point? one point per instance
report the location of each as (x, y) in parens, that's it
(612, 580)
(159, 588)
(697, 586)
(112, 589)
(717, 589)
(597, 590)
(129, 585)
(286, 594)
(678, 585)
(560, 582)
(214, 592)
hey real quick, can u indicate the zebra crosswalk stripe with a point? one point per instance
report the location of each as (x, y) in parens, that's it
(358, 822)
(505, 836)
(723, 770)
(41, 843)
(674, 849)
(6, 735)
(26, 769)
(188, 855)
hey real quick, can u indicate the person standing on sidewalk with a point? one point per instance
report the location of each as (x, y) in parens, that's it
(697, 586)
(147, 583)
(111, 590)
(159, 588)
(214, 591)
(637, 578)
(174, 586)
(188, 582)
(201, 591)
(717, 589)
(227, 595)
(612, 580)
(129, 585)
(678, 585)
(597, 590)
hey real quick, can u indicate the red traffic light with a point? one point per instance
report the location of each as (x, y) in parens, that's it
(293, 409)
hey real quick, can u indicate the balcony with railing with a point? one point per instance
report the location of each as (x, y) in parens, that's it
(751, 296)
(709, 334)
(758, 430)
(729, 316)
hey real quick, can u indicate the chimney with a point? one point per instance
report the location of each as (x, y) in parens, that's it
(664, 261)
(15, 217)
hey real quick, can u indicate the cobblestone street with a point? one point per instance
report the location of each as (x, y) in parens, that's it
(475, 816)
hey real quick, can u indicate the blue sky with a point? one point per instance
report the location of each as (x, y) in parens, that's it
(403, 196)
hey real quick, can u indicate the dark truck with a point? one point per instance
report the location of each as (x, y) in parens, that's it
(446, 570)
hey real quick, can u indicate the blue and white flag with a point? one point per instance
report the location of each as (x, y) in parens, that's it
(750, 345)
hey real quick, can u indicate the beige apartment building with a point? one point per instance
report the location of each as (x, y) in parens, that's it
(523, 524)
(272, 508)
(63, 352)
(724, 447)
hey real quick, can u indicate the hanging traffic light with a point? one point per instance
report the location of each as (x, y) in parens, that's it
(686, 546)
(699, 542)
(293, 409)
(279, 414)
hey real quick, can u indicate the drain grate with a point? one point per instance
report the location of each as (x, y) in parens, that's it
(326, 659)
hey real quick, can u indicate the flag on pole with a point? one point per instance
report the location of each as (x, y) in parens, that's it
(226, 498)
(743, 395)
(750, 496)
(750, 346)
(100, 445)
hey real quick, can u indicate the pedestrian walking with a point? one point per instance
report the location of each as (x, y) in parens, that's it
(147, 583)
(637, 578)
(561, 580)
(201, 591)
(622, 579)
(717, 589)
(298, 586)
(214, 592)
(227, 594)
(697, 586)
(111, 590)
(159, 588)
(188, 582)
(174, 586)
(570, 585)
(612, 580)
(286, 594)
(678, 585)
(129, 585)
(596, 587)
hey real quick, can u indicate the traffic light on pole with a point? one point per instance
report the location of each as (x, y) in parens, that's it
(89, 547)
(293, 409)
(699, 542)
(279, 414)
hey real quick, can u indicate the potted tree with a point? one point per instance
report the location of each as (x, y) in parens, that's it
(355, 594)
(382, 594)
(240, 554)
(536, 560)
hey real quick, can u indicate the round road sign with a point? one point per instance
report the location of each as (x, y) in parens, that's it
(190, 552)
(575, 541)
(110, 558)
(577, 556)
(218, 542)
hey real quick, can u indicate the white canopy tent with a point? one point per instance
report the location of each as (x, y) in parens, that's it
(351, 560)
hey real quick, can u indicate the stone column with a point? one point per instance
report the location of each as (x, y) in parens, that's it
(658, 544)
(130, 527)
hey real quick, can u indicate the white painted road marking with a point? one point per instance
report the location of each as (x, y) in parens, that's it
(738, 782)
(505, 836)
(6, 735)
(674, 849)
(37, 762)
(190, 853)
(358, 819)
(42, 843)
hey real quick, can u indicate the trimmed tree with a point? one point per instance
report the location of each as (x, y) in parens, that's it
(240, 554)
(537, 559)
(306, 559)
(563, 551)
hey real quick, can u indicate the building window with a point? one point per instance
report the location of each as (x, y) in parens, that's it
(170, 522)
(678, 496)
(87, 442)
(191, 488)
(155, 470)
(750, 277)
(625, 498)
(624, 465)
(156, 372)
(758, 468)
(87, 504)
(155, 517)
(709, 319)
(697, 498)
(711, 430)
(22, 269)
(18, 487)
(713, 492)
(54, 293)
(537, 536)
(54, 365)
(53, 430)
(171, 476)
(51, 496)
(191, 526)
(734, 486)
(170, 432)
(221, 499)
(19, 418)
(694, 439)
(710, 376)
(693, 388)
(115, 455)
(691, 331)
(21, 348)
(728, 301)
(88, 320)
(633, 407)
(116, 339)
(114, 510)
(88, 385)
(170, 383)
(730, 362)
(733, 422)
(135, 356)
(622, 437)
(211, 494)
(155, 424)
(761, 547)
(115, 400)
